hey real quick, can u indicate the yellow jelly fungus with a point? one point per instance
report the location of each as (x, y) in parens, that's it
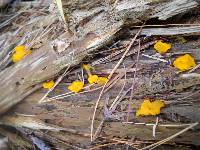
(17, 56)
(150, 108)
(76, 86)
(86, 67)
(19, 48)
(19, 53)
(184, 63)
(102, 80)
(48, 85)
(93, 79)
(162, 47)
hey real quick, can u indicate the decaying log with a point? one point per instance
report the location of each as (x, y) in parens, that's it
(73, 118)
(91, 25)
(17, 140)
(64, 122)
(194, 30)
(21, 79)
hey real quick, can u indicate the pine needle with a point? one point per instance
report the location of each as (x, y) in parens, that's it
(152, 146)
(109, 77)
(60, 9)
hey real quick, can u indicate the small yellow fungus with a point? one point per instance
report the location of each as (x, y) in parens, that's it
(184, 63)
(93, 79)
(48, 85)
(19, 48)
(76, 86)
(102, 80)
(150, 108)
(162, 47)
(19, 53)
(86, 67)
(17, 56)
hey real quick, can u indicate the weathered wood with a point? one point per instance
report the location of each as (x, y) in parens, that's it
(100, 16)
(73, 119)
(4, 2)
(16, 140)
(71, 116)
(23, 78)
(65, 122)
(194, 30)
(92, 24)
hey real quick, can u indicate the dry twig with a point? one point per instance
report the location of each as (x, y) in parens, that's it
(109, 77)
(152, 146)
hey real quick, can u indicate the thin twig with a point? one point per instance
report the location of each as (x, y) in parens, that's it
(131, 144)
(99, 128)
(154, 127)
(155, 58)
(103, 145)
(12, 18)
(64, 95)
(193, 69)
(164, 25)
(57, 82)
(152, 146)
(133, 84)
(113, 81)
(118, 96)
(109, 77)
(160, 125)
(111, 109)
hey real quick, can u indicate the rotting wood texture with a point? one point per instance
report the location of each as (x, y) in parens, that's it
(91, 25)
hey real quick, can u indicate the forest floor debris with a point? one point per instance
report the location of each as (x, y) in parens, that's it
(103, 102)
